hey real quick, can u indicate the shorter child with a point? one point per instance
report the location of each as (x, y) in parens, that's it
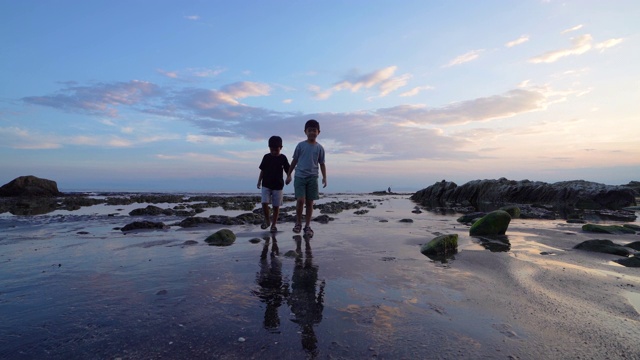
(273, 166)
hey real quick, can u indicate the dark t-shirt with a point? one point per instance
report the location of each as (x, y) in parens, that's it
(274, 168)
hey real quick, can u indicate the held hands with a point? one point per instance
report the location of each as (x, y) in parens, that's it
(288, 179)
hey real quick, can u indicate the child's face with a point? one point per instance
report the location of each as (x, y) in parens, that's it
(312, 133)
(275, 150)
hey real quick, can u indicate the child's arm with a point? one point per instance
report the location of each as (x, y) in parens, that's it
(260, 178)
(323, 169)
(294, 162)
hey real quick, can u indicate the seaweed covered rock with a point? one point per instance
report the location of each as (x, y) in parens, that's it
(604, 246)
(607, 229)
(144, 225)
(223, 237)
(494, 223)
(441, 245)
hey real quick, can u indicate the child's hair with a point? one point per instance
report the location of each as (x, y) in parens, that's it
(312, 124)
(275, 142)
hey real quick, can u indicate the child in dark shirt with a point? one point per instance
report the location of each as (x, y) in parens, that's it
(273, 166)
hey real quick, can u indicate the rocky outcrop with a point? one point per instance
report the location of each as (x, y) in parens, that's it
(30, 186)
(441, 245)
(604, 246)
(223, 237)
(577, 194)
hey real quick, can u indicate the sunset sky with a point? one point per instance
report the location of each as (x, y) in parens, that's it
(182, 95)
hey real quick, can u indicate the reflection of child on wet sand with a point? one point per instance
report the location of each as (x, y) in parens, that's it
(273, 290)
(273, 166)
(305, 304)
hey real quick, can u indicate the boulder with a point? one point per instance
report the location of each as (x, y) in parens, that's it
(30, 186)
(607, 229)
(494, 223)
(471, 217)
(603, 246)
(144, 225)
(513, 211)
(441, 245)
(567, 194)
(633, 261)
(223, 237)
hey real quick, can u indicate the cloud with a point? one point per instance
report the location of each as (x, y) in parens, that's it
(580, 45)
(191, 73)
(464, 58)
(99, 99)
(383, 80)
(575, 28)
(608, 44)
(415, 91)
(287, 101)
(19, 138)
(192, 17)
(521, 40)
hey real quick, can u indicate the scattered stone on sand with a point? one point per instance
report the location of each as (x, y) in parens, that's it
(190, 242)
(607, 229)
(222, 237)
(323, 219)
(144, 225)
(406, 220)
(494, 223)
(634, 245)
(255, 240)
(151, 210)
(604, 246)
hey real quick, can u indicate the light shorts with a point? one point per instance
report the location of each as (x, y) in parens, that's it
(273, 197)
(306, 188)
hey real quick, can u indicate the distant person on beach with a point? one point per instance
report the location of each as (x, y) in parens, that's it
(273, 166)
(308, 157)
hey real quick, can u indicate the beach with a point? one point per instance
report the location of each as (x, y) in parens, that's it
(73, 285)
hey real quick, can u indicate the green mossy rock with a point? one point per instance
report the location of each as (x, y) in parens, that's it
(443, 244)
(223, 237)
(513, 211)
(603, 246)
(494, 223)
(607, 229)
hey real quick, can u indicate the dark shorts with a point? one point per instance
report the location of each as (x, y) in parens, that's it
(306, 188)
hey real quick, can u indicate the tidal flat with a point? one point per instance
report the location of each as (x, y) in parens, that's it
(74, 286)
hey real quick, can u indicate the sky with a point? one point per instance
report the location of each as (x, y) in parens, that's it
(156, 95)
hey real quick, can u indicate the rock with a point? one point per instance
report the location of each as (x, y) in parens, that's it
(575, 221)
(470, 218)
(632, 227)
(633, 261)
(255, 240)
(572, 194)
(190, 242)
(634, 245)
(513, 211)
(144, 225)
(635, 186)
(406, 220)
(607, 229)
(323, 219)
(494, 223)
(495, 243)
(441, 245)
(30, 186)
(223, 237)
(151, 210)
(603, 246)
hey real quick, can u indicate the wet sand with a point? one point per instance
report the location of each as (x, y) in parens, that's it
(73, 287)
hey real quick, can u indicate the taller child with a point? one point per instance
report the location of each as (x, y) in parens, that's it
(308, 157)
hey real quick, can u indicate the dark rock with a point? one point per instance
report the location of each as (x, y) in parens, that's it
(512, 210)
(634, 245)
(607, 229)
(190, 242)
(632, 227)
(603, 246)
(406, 220)
(575, 221)
(255, 240)
(572, 194)
(144, 225)
(494, 223)
(30, 186)
(632, 261)
(223, 237)
(323, 219)
(151, 210)
(470, 218)
(635, 186)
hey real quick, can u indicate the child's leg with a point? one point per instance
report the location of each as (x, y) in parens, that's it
(265, 210)
(299, 186)
(299, 206)
(266, 199)
(277, 201)
(309, 212)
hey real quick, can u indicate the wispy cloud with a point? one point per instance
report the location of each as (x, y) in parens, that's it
(192, 17)
(580, 45)
(382, 80)
(608, 44)
(191, 73)
(521, 40)
(575, 28)
(415, 91)
(465, 58)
